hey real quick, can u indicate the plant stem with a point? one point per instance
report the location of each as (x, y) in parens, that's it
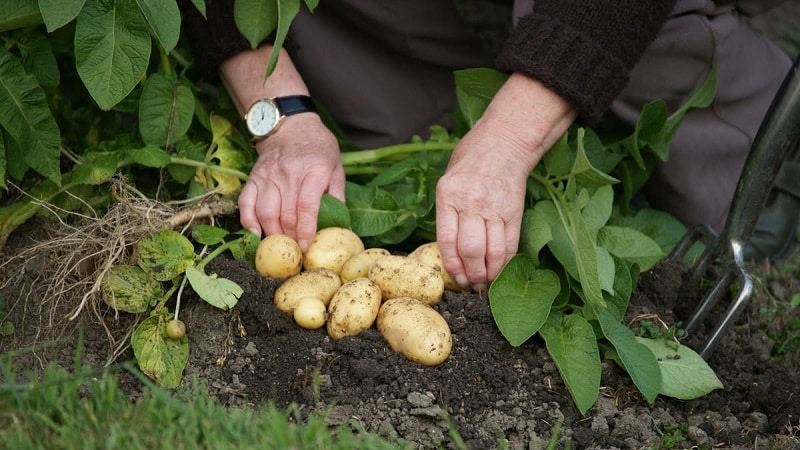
(216, 252)
(213, 167)
(369, 156)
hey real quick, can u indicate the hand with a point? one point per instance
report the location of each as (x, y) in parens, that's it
(295, 166)
(481, 197)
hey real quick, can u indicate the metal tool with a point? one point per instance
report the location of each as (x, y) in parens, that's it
(777, 136)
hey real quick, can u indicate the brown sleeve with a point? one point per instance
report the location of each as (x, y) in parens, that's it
(583, 49)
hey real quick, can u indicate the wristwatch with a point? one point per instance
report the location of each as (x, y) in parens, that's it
(265, 116)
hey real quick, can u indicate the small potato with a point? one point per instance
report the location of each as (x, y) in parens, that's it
(358, 266)
(278, 256)
(331, 247)
(310, 313)
(429, 254)
(416, 330)
(319, 283)
(400, 276)
(353, 308)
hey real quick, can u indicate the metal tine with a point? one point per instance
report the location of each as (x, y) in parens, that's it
(778, 135)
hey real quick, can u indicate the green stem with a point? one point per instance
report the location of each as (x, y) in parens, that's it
(216, 252)
(166, 68)
(192, 163)
(166, 296)
(369, 156)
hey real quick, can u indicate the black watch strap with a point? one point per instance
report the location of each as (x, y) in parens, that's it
(295, 104)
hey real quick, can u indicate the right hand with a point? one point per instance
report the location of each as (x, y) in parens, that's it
(295, 166)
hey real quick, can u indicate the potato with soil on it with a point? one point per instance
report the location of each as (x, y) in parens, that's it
(416, 330)
(353, 308)
(310, 313)
(331, 248)
(278, 256)
(358, 265)
(401, 276)
(319, 283)
(429, 254)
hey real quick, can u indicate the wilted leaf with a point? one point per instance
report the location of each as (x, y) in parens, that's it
(165, 254)
(158, 356)
(130, 289)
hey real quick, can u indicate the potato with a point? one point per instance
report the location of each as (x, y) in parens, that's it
(429, 254)
(310, 313)
(319, 283)
(400, 276)
(331, 247)
(416, 330)
(353, 308)
(358, 266)
(279, 256)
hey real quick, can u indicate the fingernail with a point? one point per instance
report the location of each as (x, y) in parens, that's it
(255, 231)
(461, 279)
(303, 245)
(479, 288)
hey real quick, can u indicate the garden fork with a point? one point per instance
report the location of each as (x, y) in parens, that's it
(778, 134)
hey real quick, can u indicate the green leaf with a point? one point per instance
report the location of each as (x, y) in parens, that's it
(584, 172)
(475, 88)
(209, 234)
(25, 115)
(636, 358)
(18, 14)
(287, 10)
(244, 248)
(194, 151)
(373, 211)
(597, 212)
(535, 233)
(128, 288)
(112, 49)
(165, 254)
(684, 374)
(148, 156)
(38, 59)
(219, 292)
(164, 18)
(521, 297)
(660, 226)
(256, 19)
(166, 109)
(332, 213)
(201, 7)
(572, 344)
(158, 356)
(57, 13)
(630, 245)
(3, 184)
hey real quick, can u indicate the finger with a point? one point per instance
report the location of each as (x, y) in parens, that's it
(308, 210)
(247, 208)
(336, 185)
(472, 248)
(496, 249)
(446, 235)
(268, 209)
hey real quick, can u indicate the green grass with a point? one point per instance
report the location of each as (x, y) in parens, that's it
(88, 410)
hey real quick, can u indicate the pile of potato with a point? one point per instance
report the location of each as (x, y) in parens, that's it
(348, 288)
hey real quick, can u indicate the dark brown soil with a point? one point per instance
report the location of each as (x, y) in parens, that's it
(493, 395)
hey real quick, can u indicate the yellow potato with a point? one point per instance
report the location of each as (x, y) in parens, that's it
(416, 330)
(278, 256)
(319, 283)
(310, 313)
(331, 247)
(353, 308)
(358, 265)
(400, 276)
(429, 254)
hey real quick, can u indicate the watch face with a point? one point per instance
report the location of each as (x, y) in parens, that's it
(262, 118)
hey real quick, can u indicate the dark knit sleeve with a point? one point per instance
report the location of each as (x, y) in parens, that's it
(583, 49)
(211, 40)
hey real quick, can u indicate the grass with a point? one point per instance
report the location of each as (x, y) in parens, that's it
(86, 409)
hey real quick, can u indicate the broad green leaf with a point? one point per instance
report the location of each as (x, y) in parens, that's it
(164, 18)
(130, 289)
(38, 59)
(218, 292)
(605, 269)
(535, 233)
(190, 151)
(660, 226)
(475, 88)
(158, 356)
(201, 7)
(165, 254)
(95, 168)
(287, 10)
(332, 213)
(584, 172)
(373, 211)
(25, 115)
(244, 248)
(520, 298)
(617, 302)
(3, 184)
(256, 19)
(209, 234)
(228, 156)
(166, 108)
(636, 358)
(148, 156)
(57, 13)
(597, 212)
(630, 245)
(684, 374)
(572, 344)
(112, 49)
(651, 121)
(559, 160)
(18, 14)
(312, 4)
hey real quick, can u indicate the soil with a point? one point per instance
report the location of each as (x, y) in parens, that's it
(492, 394)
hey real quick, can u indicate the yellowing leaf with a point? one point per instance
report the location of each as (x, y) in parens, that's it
(158, 356)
